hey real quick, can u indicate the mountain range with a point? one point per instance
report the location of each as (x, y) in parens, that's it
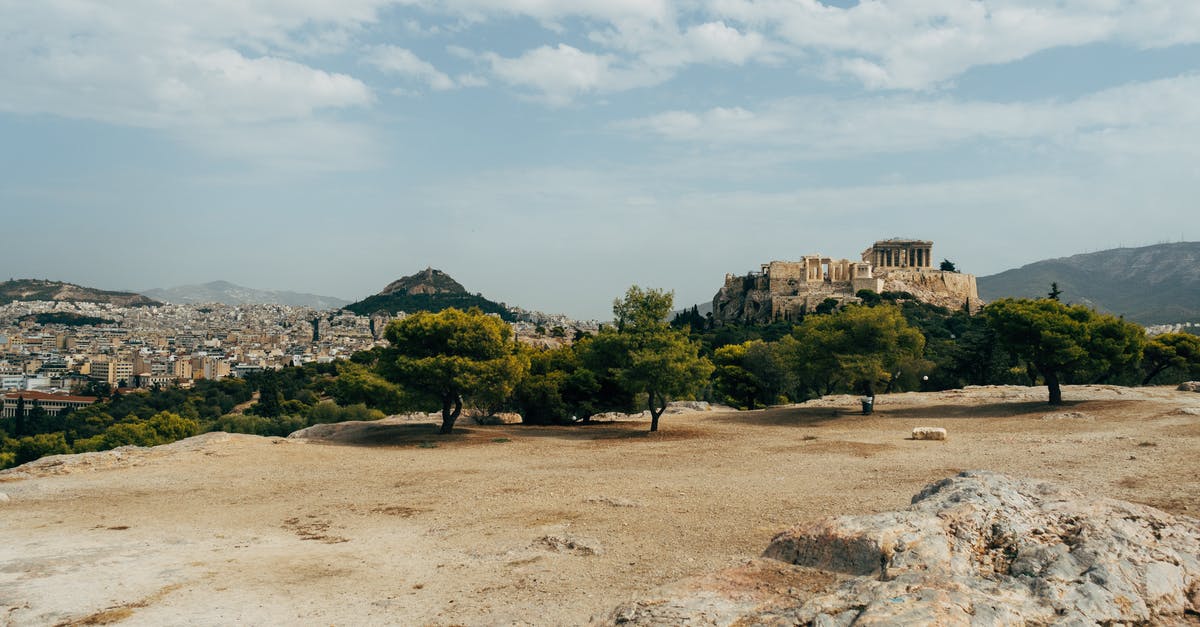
(1157, 284)
(229, 294)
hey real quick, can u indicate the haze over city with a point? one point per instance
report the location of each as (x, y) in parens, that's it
(550, 153)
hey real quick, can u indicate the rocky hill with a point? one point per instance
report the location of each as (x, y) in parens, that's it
(230, 294)
(428, 290)
(1150, 285)
(40, 289)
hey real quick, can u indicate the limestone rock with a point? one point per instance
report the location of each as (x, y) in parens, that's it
(3, 498)
(976, 549)
(1189, 386)
(928, 433)
(499, 418)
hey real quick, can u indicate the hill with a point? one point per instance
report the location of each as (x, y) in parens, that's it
(428, 290)
(40, 289)
(230, 294)
(1150, 285)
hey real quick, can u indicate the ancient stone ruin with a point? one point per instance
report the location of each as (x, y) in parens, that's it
(786, 290)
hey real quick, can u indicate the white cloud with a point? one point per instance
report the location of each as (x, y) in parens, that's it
(917, 44)
(550, 10)
(645, 54)
(823, 127)
(714, 41)
(210, 64)
(403, 62)
(561, 73)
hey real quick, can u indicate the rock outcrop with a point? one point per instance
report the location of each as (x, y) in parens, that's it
(976, 549)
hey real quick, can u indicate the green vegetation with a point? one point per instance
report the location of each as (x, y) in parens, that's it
(66, 318)
(394, 303)
(1172, 352)
(454, 359)
(450, 356)
(651, 358)
(1065, 343)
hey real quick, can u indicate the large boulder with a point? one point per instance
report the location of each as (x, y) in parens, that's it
(1189, 386)
(977, 549)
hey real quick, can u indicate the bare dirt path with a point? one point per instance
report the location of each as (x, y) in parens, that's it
(391, 524)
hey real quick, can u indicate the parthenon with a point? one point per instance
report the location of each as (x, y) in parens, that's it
(900, 253)
(786, 290)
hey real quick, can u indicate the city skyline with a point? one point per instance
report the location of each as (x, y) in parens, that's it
(549, 154)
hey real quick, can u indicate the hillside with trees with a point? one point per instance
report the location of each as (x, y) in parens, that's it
(1157, 284)
(429, 290)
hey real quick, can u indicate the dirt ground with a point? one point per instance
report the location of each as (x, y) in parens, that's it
(389, 523)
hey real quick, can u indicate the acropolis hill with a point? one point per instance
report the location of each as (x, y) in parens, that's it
(785, 290)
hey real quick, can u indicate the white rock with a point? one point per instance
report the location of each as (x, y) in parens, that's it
(3, 497)
(928, 433)
(976, 549)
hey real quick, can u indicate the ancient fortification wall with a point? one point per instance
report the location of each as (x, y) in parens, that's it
(785, 290)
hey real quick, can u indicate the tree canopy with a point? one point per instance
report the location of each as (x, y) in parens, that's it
(454, 355)
(858, 347)
(1179, 351)
(1065, 342)
(649, 357)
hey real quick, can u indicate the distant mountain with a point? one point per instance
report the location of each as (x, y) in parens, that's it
(1151, 285)
(39, 289)
(428, 290)
(230, 294)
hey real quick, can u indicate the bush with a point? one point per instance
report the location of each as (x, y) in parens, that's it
(40, 445)
(328, 411)
(279, 426)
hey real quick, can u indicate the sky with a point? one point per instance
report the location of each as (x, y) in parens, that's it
(551, 153)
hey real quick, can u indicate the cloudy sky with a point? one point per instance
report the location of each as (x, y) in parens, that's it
(550, 153)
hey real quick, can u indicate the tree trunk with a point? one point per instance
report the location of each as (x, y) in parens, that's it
(451, 408)
(656, 412)
(1051, 378)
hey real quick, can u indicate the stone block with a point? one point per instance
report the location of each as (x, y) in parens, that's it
(928, 433)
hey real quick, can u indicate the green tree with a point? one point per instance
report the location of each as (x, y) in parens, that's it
(1178, 351)
(947, 266)
(19, 426)
(560, 388)
(161, 428)
(1054, 291)
(749, 373)
(356, 383)
(1063, 342)
(40, 445)
(454, 355)
(658, 361)
(855, 348)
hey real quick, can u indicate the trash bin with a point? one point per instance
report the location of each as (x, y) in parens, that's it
(868, 405)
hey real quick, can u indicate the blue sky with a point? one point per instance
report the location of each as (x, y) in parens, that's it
(550, 153)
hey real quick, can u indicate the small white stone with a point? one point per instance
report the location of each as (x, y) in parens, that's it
(3, 497)
(928, 433)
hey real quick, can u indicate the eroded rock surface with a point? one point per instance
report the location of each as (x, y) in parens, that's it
(977, 549)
